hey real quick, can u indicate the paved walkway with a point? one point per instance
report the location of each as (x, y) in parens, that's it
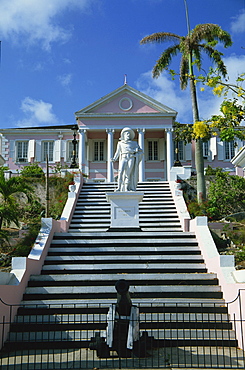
(165, 358)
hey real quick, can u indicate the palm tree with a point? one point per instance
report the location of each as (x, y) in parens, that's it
(9, 210)
(203, 38)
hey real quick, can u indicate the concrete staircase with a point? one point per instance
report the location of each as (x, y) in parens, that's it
(180, 303)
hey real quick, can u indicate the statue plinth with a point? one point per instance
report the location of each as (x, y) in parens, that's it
(124, 209)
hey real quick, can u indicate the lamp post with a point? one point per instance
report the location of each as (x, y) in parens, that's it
(74, 142)
(177, 162)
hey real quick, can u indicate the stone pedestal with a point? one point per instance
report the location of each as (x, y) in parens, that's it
(124, 209)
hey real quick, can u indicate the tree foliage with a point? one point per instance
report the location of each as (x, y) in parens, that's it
(202, 39)
(227, 124)
(9, 207)
(226, 195)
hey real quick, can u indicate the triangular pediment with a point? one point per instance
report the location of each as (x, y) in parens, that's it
(125, 100)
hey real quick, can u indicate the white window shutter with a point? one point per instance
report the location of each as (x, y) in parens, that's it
(220, 146)
(213, 148)
(105, 150)
(188, 149)
(239, 145)
(90, 148)
(57, 148)
(31, 149)
(38, 150)
(12, 150)
(63, 149)
(161, 149)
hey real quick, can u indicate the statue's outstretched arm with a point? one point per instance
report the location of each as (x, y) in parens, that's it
(117, 153)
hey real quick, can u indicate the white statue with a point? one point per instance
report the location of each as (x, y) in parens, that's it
(130, 154)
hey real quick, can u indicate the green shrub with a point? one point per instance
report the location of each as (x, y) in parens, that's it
(32, 170)
(210, 171)
(23, 248)
(226, 195)
(59, 195)
(196, 209)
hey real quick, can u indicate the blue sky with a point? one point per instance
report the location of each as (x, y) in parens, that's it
(58, 56)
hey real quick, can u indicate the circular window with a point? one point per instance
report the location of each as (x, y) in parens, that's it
(125, 104)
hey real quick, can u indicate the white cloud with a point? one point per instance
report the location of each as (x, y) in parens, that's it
(238, 25)
(210, 104)
(35, 21)
(65, 79)
(168, 92)
(36, 112)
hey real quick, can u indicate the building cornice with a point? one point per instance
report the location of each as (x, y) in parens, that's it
(125, 115)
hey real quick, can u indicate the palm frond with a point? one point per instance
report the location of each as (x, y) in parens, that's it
(184, 73)
(196, 52)
(164, 60)
(210, 32)
(215, 56)
(160, 37)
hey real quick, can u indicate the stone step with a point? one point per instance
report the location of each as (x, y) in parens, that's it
(91, 216)
(100, 194)
(152, 228)
(108, 259)
(144, 216)
(159, 306)
(84, 326)
(157, 202)
(110, 290)
(85, 334)
(204, 318)
(74, 225)
(134, 279)
(132, 235)
(150, 207)
(91, 230)
(177, 304)
(75, 293)
(58, 249)
(115, 243)
(88, 210)
(124, 268)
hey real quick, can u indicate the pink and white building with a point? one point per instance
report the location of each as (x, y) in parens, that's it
(98, 129)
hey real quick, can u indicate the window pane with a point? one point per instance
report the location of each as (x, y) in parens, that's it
(22, 151)
(232, 149)
(229, 149)
(101, 150)
(155, 150)
(48, 150)
(51, 151)
(205, 148)
(96, 151)
(150, 150)
(181, 150)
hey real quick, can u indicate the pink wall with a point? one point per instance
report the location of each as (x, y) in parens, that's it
(113, 106)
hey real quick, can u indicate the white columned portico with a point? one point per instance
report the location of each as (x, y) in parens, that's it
(82, 149)
(141, 142)
(169, 144)
(110, 135)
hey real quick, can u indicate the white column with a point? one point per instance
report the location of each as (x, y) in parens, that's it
(169, 151)
(141, 142)
(110, 175)
(82, 149)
